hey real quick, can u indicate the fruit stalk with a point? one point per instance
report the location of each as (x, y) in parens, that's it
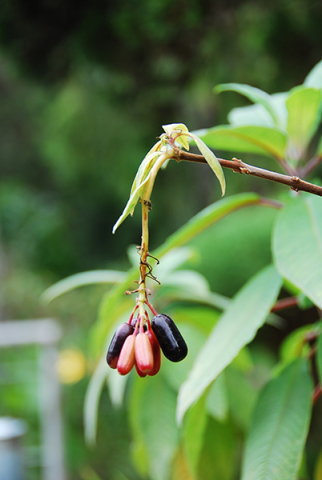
(146, 206)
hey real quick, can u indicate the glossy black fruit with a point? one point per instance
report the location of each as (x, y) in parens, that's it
(170, 339)
(121, 334)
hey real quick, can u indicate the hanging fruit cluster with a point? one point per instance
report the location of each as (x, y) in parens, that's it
(138, 343)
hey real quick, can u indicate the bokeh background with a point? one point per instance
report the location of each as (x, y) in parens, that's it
(84, 90)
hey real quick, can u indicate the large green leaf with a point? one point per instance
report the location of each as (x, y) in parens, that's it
(304, 109)
(193, 434)
(250, 115)
(279, 427)
(80, 280)
(237, 327)
(314, 78)
(254, 94)
(152, 418)
(258, 115)
(251, 139)
(219, 456)
(297, 245)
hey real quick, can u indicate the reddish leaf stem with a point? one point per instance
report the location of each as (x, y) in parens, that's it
(317, 392)
(284, 303)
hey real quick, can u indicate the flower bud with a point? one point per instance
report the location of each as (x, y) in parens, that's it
(122, 332)
(127, 356)
(143, 353)
(170, 339)
(156, 352)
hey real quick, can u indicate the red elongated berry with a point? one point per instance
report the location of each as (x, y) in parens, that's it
(143, 353)
(127, 356)
(170, 339)
(156, 352)
(120, 335)
(138, 371)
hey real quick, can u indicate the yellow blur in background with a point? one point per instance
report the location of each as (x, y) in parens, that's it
(71, 366)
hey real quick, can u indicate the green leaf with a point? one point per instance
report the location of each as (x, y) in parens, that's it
(176, 373)
(292, 348)
(280, 426)
(131, 204)
(114, 308)
(212, 161)
(304, 113)
(145, 168)
(199, 317)
(172, 260)
(253, 94)
(319, 356)
(294, 345)
(180, 468)
(187, 280)
(237, 327)
(215, 300)
(204, 219)
(219, 456)
(189, 286)
(152, 419)
(250, 139)
(217, 399)
(80, 280)
(250, 115)
(116, 384)
(91, 402)
(173, 129)
(314, 78)
(258, 115)
(242, 397)
(193, 434)
(297, 245)
(319, 148)
(318, 467)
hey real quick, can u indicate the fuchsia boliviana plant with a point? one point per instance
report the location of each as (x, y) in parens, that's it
(138, 342)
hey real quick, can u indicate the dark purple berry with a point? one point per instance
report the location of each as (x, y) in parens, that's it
(134, 322)
(121, 334)
(170, 339)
